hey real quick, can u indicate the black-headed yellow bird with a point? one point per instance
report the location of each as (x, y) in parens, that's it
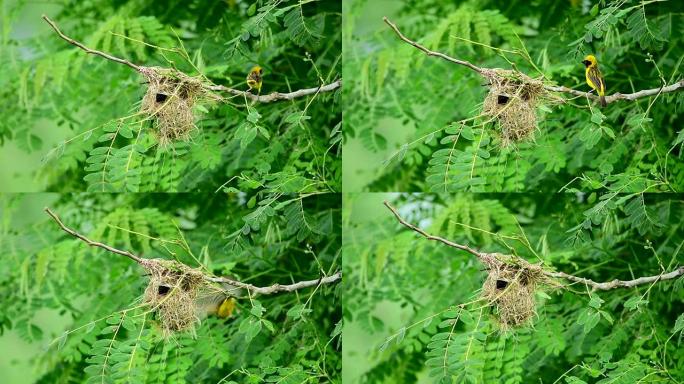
(254, 78)
(594, 77)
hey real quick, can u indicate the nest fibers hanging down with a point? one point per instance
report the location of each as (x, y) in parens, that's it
(169, 102)
(510, 289)
(512, 101)
(174, 294)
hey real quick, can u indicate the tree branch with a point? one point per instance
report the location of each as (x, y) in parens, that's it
(429, 52)
(430, 237)
(88, 50)
(609, 99)
(605, 286)
(70, 231)
(619, 283)
(275, 96)
(275, 288)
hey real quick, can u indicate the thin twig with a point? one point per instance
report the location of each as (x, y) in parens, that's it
(609, 99)
(430, 52)
(92, 243)
(275, 288)
(93, 51)
(595, 285)
(275, 96)
(431, 237)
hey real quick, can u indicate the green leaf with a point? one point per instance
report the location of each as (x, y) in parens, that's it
(679, 324)
(257, 309)
(634, 302)
(253, 116)
(298, 311)
(248, 136)
(595, 302)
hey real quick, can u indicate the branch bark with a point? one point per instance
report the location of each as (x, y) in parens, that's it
(275, 96)
(88, 50)
(553, 88)
(430, 52)
(92, 243)
(431, 237)
(275, 288)
(603, 286)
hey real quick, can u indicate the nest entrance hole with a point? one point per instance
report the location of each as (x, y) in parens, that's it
(501, 284)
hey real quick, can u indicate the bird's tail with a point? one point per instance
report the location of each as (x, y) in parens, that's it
(603, 101)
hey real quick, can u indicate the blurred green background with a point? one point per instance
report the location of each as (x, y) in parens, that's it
(19, 166)
(359, 165)
(17, 364)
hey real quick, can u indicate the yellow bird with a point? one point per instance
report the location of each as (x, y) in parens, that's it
(254, 78)
(594, 77)
(226, 308)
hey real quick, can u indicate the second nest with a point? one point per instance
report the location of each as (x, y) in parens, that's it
(512, 101)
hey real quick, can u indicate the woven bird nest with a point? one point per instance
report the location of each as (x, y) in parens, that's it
(169, 102)
(172, 294)
(512, 101)
(510, 289)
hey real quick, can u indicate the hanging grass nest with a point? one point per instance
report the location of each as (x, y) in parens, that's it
(512, 101)
(172, 294)
(169, 101)
(510, 289)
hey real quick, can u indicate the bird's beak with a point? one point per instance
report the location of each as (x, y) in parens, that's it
(586, 63)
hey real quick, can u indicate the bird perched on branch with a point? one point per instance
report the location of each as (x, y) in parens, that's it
(254, 78)
(594, 77)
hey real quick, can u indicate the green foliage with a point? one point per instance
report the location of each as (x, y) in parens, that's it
(105, 335)
(97, 139)
(459, 356)
(438, 330)
(421, 114)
